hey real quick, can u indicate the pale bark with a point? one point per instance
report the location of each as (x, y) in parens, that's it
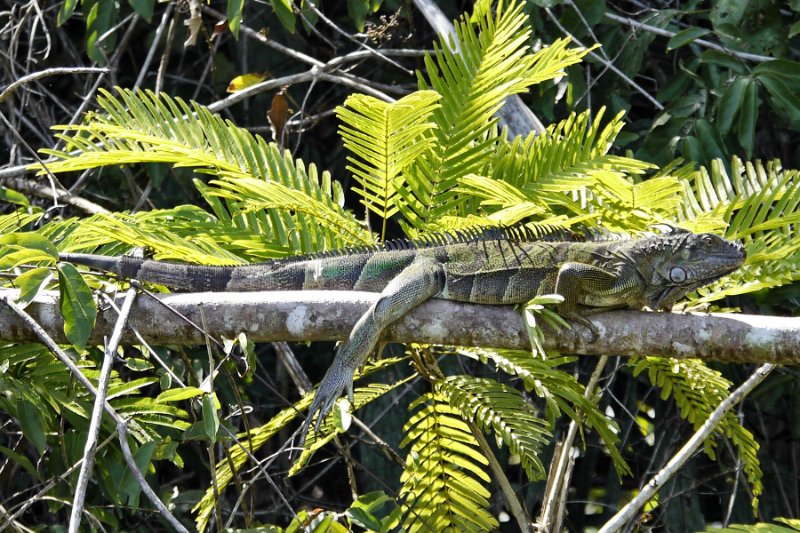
(330, 315)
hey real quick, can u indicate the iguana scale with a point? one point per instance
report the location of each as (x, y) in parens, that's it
(496, 267)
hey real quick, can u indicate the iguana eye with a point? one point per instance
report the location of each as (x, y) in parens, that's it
(677, 275)
(708, 240)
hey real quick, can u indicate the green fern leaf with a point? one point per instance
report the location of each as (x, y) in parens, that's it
(503, 410)
(697, 391)
(485, 62)
(444, 480)
(384, 140)
(560, 391)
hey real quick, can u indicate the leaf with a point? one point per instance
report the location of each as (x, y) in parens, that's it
(730, 104)
(144, 8)
(66, 11)
(210, 417)
(128, 484)
(787, 101)
(31, 240)
(177, 395)
(31, 282)
(12, 257)
(30, 420)
(13, 197)
(77, 305)
(686, 36)
(358, 10)
(283, 10)
(234, 15)
(746, 128)
(22, 461)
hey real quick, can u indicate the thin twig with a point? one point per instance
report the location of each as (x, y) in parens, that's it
(352, 39)
(97, 413)
(679, 459)
(151, 52)
(554, 506)
(523, 521)
(608, 64)
(54, 193)
(58, 71)
(702, 42)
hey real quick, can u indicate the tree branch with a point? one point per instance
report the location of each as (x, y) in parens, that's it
(330, 315)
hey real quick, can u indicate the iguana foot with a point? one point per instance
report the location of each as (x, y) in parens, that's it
(336, 380)
(583, 321)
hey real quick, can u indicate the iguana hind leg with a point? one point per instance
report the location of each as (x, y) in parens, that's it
(420, 281)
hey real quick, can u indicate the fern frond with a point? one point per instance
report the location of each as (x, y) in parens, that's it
(503, 410)
(385, 139)
(443, 485)
(487, 61)
(697, 390)
(560, 391)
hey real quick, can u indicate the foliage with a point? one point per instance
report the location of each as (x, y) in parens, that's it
(434, 159)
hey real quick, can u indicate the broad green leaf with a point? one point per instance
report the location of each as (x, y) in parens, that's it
(29, 240)
(177, 395)
(25, 256)
(731, 102)
(144, 8)
(77, 305)
(31, 282)
(210, 418)
(787, 101)
(686, 36)
(22, 461)
(720, 58)
(128, 485)
(780, 68)
(746, 128)
(794, 30)
(283, 10)
(67, 8)
(234, 14)
(13, 197)
(358, 10)
(31, 422)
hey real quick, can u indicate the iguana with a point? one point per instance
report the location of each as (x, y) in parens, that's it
(497, 267)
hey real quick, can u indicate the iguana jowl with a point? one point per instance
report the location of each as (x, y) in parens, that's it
(495, 267)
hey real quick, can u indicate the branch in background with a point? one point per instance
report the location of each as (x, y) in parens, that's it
(330, 315)
(58, 194)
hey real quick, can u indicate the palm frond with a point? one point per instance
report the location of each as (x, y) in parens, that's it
(761, 205)
(548, 171)
(443, 485)
(385, 139)
(697, 391)
(487, 61)
(503, 410)
(560, 391)
(144, 127)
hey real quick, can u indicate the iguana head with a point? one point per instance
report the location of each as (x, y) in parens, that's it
(679, 262)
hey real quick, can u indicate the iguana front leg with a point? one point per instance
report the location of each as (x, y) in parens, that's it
(589, 288)
(420, 281)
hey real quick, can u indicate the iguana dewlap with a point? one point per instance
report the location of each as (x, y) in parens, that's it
(488, 267)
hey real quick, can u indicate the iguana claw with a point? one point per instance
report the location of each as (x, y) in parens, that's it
(336, 380)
